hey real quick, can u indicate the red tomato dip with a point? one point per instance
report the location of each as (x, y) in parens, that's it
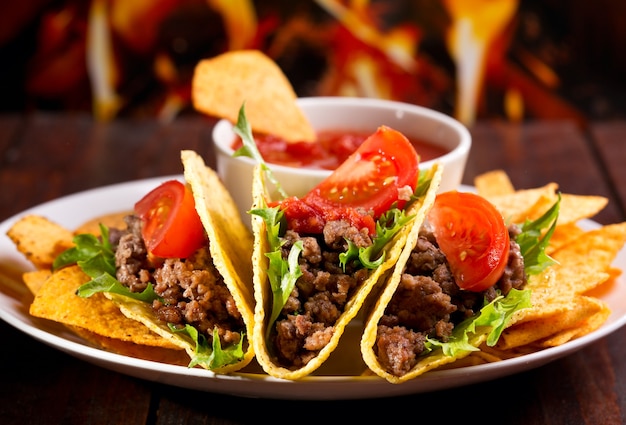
(331, 149)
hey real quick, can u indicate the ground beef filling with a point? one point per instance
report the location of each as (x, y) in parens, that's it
(192, 291)
(428, 303)
(307, 321)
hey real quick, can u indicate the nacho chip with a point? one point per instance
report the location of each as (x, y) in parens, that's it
(493, 183)
(575, 313)
(115, 220)
(156, 354)
(223, 83)
(39, 239)
(515, 207)
(563, 234)
(593, 322)
(598, 247)
(572, 208)
(35, 280)
(57, 300)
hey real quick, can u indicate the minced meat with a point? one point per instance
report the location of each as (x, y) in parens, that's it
(428, 303)
(191, 290)
(307, 321)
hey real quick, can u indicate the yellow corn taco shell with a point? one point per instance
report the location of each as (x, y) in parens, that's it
(263, 292)
(230, 244)
(368, 340)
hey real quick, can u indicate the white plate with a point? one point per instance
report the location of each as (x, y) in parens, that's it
(70, 211)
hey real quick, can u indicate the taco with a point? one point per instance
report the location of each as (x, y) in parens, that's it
(317, 258)
(457, 283)
(181, 267)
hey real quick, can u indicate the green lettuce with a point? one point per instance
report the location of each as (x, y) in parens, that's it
(96, 259)
(533, 245)
(533, 241)
(214, 356)
(492, 318)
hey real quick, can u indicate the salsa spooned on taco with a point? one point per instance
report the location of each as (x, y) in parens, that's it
(317, 258)
(456, 285)
(181, 267)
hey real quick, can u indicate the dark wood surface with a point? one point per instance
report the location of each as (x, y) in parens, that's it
(47, 156)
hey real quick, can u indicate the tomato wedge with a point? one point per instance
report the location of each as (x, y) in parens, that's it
(372, 176)
(171, 225)
(473, 236)
(370, 180)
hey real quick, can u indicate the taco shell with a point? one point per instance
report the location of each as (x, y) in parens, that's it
(263, 292)
(230, 243)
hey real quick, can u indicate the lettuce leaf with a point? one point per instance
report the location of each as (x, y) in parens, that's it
(94, 255)
(370, 257)
(281, 273)
(213, 356)
(96, 258)
(493, 316)
(533, 245)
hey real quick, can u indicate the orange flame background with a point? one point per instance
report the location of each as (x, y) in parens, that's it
(472, 59)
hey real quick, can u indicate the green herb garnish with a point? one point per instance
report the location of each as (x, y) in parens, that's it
(494, 315)
(533, 245)
(213, 356)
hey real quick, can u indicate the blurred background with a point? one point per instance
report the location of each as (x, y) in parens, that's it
(473, 59)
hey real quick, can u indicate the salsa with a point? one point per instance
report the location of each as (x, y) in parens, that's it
(331, 149)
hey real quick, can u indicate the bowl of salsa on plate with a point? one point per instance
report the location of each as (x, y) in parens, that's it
(341, 124)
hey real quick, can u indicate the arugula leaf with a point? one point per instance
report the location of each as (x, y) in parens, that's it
(494, 315)
(533, 245)
(242, 129)
(96, 259)
(93, 255)
(387, 226)
(214, 356)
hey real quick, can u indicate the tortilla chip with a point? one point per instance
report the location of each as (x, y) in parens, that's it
(35, 280)
(593, 322)
(57, 300)
(39, 239)
(130, 349)
(572, 208)
(517, 206)
(223, 83)
(598, 247)
(112, 221)
(575, 313)
(563, 234)
(493, 183)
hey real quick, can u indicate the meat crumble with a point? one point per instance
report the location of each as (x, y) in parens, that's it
(306, 323)
(428, 303)
(191, 290)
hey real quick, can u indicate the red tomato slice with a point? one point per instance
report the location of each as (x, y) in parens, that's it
(373, 175)
(361, 188)
(171, 225)
(473, 236)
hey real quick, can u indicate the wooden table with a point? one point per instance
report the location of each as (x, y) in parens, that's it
(47, 156)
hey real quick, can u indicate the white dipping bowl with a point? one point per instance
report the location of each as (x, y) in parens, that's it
(354, 114)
